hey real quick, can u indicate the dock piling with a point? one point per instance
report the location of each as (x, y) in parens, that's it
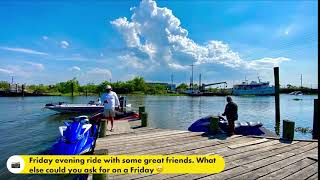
(277, 94)
(72, 89)
(288, 130)
(315, 130)
(144, 119)
(22, 89)
(214, 124)
(141, 109)
(103, 128)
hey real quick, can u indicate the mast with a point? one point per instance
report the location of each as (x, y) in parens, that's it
(191, 79)
(301, 81)
(171, 82)
(200, 81)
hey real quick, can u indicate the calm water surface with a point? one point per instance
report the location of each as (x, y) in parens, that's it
(26, 128)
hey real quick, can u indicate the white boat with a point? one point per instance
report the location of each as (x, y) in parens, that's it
(91, 107)
(74, 108)
(296, 93)
(253, 88)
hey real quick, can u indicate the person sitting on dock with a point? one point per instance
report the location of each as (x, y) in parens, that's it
(111, 102)
(231, 112)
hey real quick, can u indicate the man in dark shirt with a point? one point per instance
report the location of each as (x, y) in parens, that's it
(231, 112)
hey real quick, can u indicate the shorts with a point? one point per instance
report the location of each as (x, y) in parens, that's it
(109, 113)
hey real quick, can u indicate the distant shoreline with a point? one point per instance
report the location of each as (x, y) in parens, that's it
(27, 94)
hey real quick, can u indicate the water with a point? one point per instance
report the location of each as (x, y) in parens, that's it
(27, 129)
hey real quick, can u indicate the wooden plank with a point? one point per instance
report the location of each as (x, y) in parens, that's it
(134, 137)
(185, 147)
(162, 141)
(138, 141)
(313, 177)
(246, 158)
(248, 143)
(288, 170)
(260, 172)
(132, 143)
(119, 127)
(305, 172)
(236, 170)
(227, 152)
(204, 150)
(158, 143)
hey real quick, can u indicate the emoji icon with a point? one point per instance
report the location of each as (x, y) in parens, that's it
(159, 169)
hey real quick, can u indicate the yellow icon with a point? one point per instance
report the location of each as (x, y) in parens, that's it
(159, 169)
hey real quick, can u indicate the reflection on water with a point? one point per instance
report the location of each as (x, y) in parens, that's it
(26, 128)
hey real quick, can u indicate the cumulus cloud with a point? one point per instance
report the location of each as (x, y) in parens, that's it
(100, 72)
(37, 66)
(74, 68)
(24, 50)
(154, 37)
(64, 44)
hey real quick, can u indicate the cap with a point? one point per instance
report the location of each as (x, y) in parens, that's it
(108, 87)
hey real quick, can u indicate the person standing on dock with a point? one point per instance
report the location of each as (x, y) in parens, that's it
(231, 112)
(110, 102)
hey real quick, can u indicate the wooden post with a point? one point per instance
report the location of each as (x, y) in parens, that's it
(214, 124)
(72, 89)
(100, 176)
(315, 130)
(144, 119)
(288, 130)
(22, 90)
(103, 128)
(141, 110)
(277, 94)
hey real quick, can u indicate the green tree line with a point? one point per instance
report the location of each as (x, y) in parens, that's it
(136, 85)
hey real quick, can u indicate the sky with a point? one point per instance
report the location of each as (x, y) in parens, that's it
(44, 42)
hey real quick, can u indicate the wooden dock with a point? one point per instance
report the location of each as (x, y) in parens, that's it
(245, 157)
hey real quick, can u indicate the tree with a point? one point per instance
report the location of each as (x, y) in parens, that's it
(182, 87)
(4, 85)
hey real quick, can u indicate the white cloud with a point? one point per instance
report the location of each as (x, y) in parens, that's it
(5, 71)
(154, 37)
(17, 71)
(74, 68)
(177, 66)
(23, 50)
(37, 66)
(100, 71)
(131, 61)
(45, 37)
(64, 44)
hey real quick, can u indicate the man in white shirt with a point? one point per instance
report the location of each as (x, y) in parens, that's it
(110, 101)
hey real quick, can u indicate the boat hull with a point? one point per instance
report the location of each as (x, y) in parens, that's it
(259, 91)
(68, 109)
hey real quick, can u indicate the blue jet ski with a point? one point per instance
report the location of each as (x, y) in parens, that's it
(77, 137)
(244, 128)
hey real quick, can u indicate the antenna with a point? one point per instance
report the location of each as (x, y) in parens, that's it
(191, 81)
(200, 81)
(172, 78)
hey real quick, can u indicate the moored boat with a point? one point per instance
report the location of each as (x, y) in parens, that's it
(253, 88)
(241, 127)
(91, 107)
(74, 108)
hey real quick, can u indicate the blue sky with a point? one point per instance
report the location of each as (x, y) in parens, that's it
(47, 42)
